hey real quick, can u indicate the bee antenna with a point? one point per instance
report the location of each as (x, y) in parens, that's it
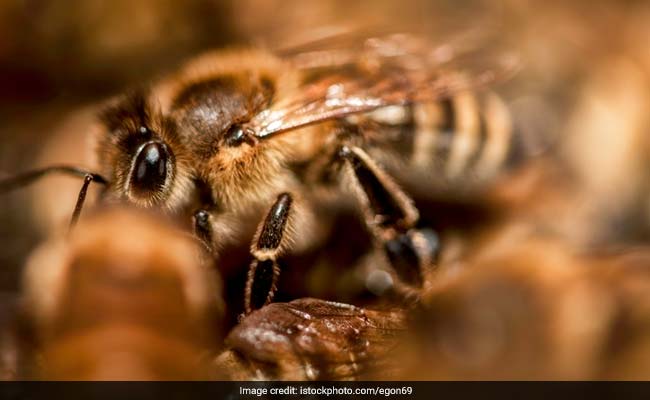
(28, 177)
(80, 201)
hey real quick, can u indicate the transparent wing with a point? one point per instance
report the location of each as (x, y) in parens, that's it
(391, 70)
(336, 47)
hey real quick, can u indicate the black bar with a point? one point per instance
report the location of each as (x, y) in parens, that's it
(325, 390)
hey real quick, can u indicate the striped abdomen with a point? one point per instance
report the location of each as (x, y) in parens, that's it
(465, 135)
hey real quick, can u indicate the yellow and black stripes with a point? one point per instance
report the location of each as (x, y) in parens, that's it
(467, 134)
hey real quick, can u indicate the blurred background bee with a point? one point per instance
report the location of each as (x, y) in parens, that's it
(99, 305)
(576, 111)
(535, 310)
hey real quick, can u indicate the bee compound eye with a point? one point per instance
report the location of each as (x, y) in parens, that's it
(150, 168)
(238, 134)
(235, 135)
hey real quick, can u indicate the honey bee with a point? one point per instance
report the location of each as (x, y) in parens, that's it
(311, 339)
(103, 305)
(530, 306)
(235, 133)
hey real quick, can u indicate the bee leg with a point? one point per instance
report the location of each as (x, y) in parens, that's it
(391, 217)
(411, 252)
(268, 244)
